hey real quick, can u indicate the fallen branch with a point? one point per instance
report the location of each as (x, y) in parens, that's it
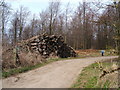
(105, 71)
(108, 72)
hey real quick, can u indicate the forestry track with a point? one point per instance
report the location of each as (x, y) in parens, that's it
(59, 74)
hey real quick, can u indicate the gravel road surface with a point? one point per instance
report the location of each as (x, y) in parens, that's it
(59, 74)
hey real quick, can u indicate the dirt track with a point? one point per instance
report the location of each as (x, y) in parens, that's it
(60, 74)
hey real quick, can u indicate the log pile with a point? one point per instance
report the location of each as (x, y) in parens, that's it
(46, 45)
(35, 50)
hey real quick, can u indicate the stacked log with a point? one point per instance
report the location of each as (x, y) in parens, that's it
(35, 50)
(47, 44)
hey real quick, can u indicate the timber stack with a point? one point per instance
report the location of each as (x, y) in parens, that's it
(36, 50)
(45, 45)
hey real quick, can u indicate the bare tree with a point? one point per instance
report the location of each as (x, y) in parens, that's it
(14, 28)
(5, 12)
(87, 27)
(27, 32)
(44, 21)
(67, 11)
(23, 14)
(117, 24)
(54, 8)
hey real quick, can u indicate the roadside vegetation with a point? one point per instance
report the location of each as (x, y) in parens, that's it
(90, 76)
(15, 71)
(81, 54)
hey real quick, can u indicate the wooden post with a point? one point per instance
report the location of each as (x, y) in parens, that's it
(14, 55)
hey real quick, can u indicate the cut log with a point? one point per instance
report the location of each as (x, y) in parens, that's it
(46, 45)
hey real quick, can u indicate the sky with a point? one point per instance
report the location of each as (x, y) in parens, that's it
(36, 6)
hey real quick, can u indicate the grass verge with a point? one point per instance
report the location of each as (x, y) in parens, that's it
(15, 71)
(90, 77)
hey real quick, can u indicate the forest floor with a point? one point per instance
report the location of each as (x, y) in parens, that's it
(59, 74)
(94, 52)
